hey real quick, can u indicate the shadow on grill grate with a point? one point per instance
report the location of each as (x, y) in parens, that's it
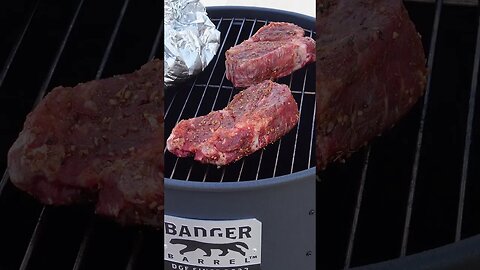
(210, 90)
(414, 188)
(64, 43)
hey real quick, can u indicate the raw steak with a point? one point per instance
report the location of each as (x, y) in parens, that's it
(275, 51)
(98, 141)
(257, 116)
(370, 72)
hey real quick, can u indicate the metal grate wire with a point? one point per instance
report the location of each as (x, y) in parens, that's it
(44, 214)
(106, 55)
(5, 70)
(431, 57)
(369, 153)
(351, 241)
(366, 165)
(468, 135)
(40, 224)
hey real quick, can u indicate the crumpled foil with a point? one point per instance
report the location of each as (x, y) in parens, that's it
(191, 40)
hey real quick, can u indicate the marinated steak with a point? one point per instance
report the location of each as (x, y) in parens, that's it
(370, 72)
(257, 116)
(98, 141)
(275, 51)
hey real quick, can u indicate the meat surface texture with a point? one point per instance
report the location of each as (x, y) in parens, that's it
(275, 51)
(370, 72)
(257, 116)
(99, 141)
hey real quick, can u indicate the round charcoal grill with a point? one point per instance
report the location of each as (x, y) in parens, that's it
(275, 185)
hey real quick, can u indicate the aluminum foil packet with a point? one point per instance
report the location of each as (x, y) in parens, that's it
(191, 40)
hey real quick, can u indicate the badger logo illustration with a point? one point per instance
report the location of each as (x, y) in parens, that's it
(191, 245)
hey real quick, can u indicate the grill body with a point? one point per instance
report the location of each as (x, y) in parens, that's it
(276, 185)
(284, 205)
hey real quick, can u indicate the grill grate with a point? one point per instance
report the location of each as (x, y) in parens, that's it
(409, 190)
(211, 91)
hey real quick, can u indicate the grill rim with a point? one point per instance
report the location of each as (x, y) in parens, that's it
(464, 254)
(238, 186)
(254, 13)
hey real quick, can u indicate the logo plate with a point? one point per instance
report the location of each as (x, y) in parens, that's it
(193, 244)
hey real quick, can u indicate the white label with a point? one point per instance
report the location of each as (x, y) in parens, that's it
(212, 244)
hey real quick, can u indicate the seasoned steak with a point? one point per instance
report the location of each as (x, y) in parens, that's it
(275, 51)
(98, 141)
(257, 116)
(370, 72)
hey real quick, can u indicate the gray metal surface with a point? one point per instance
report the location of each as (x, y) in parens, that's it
(458, 256)
(451, 2)
(285, 206)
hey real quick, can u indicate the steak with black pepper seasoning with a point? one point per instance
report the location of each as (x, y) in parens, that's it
(256, 117)
(275, 51)
(98, 141)
(370, 72)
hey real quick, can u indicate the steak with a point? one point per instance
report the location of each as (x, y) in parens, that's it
(275, 51)
(99, 141)
(257, 116)
(370, 72)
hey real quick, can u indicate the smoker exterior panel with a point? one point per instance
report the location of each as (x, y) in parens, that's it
(284, 205)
